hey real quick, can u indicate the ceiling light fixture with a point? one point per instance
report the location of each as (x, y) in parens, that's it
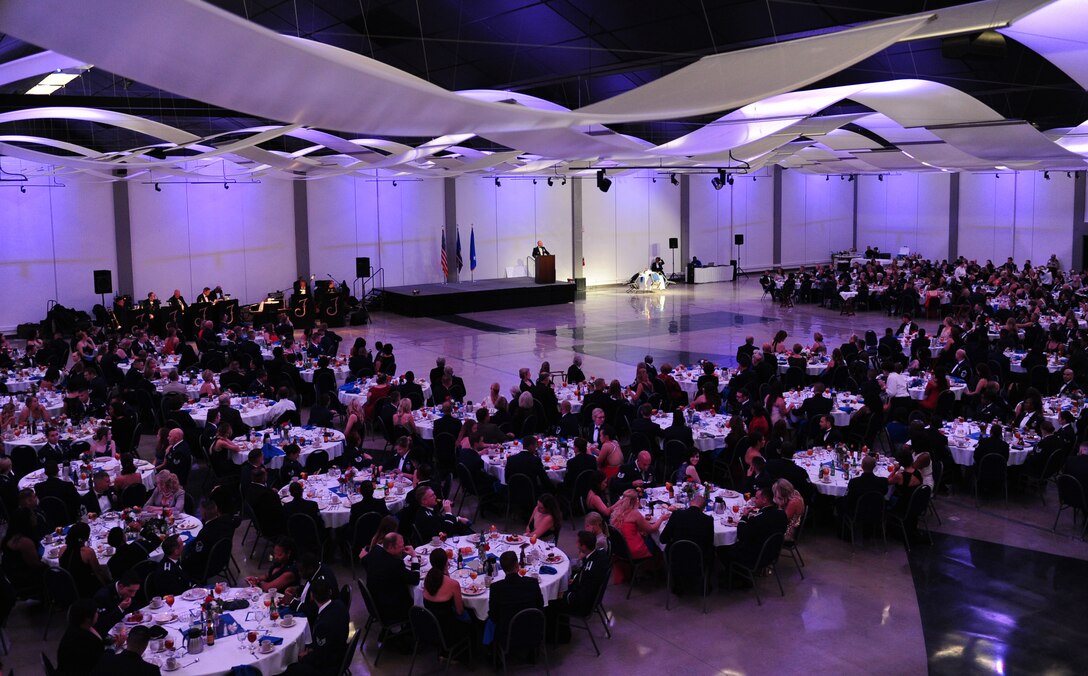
(497, 183)
(729, 179)
(158, 188)
(534, 181)
(603, 182)
(22, 189)
(56, 80)
(719, 180)
(1046, 175)
(550, 184)
(880, 177)
(564, 180)
(673, 179)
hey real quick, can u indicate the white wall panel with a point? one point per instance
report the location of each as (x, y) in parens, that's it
(817, 217)
(986, 216)
(746, 207)
(1043, 218)
(905, 210)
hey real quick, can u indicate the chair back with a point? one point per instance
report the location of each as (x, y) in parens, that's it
(522, 491)
(525, 631)
(770, 550)
(60, 586)
(353, 645)
(620, 551)
(445, 452)
(464, 476)
(582, 486)
(218, 559)
(1053, 465)
(426, 628)
(991, 471)
(317, 461)
(795, 377)
(684, 561)
(47, 666)
(24, 460)
(55, 511)
(365, 528)
(869, 508)
(640, 442)
(946, 404)
(304, 532)
(529, 425)
(134, 496)
(919, 503)
(1071, 492)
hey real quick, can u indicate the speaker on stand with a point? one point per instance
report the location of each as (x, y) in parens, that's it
(674, 244)
(103, 284)
(738, 241)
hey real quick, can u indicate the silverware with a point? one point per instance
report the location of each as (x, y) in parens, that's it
(183, 666)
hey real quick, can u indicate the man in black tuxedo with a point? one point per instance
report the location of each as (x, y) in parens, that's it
(52, 451)
(329, 632)
(411, 389)
(826, 434)
(368, 503)
(129, 661)
(300, 505)
(992, 443)
(102, 497)
(177, 301)
(593, 431)
(528, 463)
(432, 520)
(569, 425)
(540, 249)
(402, 455)
(644, 424)
(231, 416)
(447, 423)
(1069, 385)
(54, 486)
(574, 371)
(114, 600)
(216, 527)
(1050, 444)
(597, 399)
(815, 405)
(691, 524)
(581, 462)
(866, 482)
(81, 648)
(636, 474)
(906, 326)
(389, 582)
(1067, 430)
(763, 521)
(489, 431)
(889, 341)
(511, 595)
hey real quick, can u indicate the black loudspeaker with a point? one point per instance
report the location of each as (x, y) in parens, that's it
(674, 243)
(738, 240)
(103, 281)
(362, 267)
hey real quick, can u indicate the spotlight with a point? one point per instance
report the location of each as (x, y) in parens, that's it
(880, 177)
(564, 180)
(534, 181)
(673, 179)
(498, 184)
(719, 180)
(22, 189)
(654, 179)
(729, 179)
(158, 188)
(827, 178)
(603, 182)
(1046, 175)
(851, 178)
(1069, 174)
(841, 177)
(226, 186)
(997, 176)
(550, 184)
(394, 184)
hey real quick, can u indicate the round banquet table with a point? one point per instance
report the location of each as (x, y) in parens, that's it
(185, 526)
(228, 652)
(22, 379)
(36, 441)
(475, 593)
(310, 439)
(846, 404)
(963, 440)
(835, 484)
(570, 393)
(335, 505)
(111, 466)
(164, 364)
(424, 418)
(341, 372)
(556, 465)
(955, 385)
(1053, 364)
(725, 524)
(816, 365)
(52, 401)
(1054, 405)
(708, 430)
(688, 378)
(359, 389)
(256, 412)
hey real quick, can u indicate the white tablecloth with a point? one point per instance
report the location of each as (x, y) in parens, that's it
(52, 401)
(551, 584)
(963, 440)
(21, 380)
(310, 440)
(341, 372)
(255, 412)
(845, 405)
(113, 467)
(556, 466)
(709, 430)
(335, 506)
(835, 485)
(185, 525)
(36, 441)
(361, 389)
(725, 529)
(1053, 364)
(814, 367)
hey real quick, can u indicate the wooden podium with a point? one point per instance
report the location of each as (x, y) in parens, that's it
(545, 269)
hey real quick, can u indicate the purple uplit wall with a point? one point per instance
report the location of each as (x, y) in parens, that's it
(905, 210)
(817, 217)
(746, 207)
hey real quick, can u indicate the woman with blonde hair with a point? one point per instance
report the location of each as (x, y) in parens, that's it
(633, 526)
(168, 493)
(789, 500)
(403, 416)
(208, 388)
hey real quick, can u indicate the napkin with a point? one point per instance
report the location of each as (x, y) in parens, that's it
(548, 570)
(274, 640)
(228, 626)
(309, 427)
(270, 451)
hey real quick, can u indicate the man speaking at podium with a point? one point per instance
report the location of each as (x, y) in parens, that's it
(539, 249)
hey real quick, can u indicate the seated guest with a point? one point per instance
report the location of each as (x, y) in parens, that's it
(311, 572)
(597, 499)
(569, 423)
(636, 474)
(170, 578)
(528, 463)
(125, 554)
(442, 596)
(113, 601)
(82, 646)
(102, 443)
(574, 371)
(510, 595)
(866, 482)
(688, 471)
(432, 519)
(301, 505)
(129, 661)
(585, 585)
(758, 523)
(678, 430)
(547, 518)
(825, 434)
(645, 425)
(178, 457)
(581, 462)
(791, 503)
(129, 475)
(52, 451)
(81, 561)
(291, 468)
(993, 442)
(216, 527)
(1050, 444)
(283, 573)
(692, 524)
(55, 487)
(254, 461)
(634, 527)
(367, 503)
(609, 455)
(168, 494)
(102, 497)
(321, 413)
(489, 431)
(390, 583)
(222, 450)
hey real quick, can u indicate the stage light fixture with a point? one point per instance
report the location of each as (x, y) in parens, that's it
(226, 186)
(564, 180)
(729, 179)
(603, 182)
(534, 181)
(654, 179)
(851, 178)
(827, 178)
(880, 177)
(158, 188)
(550, 184)
(22, 189)
(673, 179)
(498, 184)
(1046, 175)
(394, 184)
(718, 181)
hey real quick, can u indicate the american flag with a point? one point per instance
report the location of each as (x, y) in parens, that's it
(460, 261)
(445, 262)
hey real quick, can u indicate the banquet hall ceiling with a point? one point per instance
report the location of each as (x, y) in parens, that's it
(573, 53)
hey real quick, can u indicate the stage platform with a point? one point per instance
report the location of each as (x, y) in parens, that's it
(429, 300)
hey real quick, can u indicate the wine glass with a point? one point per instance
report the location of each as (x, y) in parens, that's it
(169, 598)
(252, 638)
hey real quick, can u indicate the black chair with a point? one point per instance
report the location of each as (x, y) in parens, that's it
(445, 453)
(60, 592)
(621, 553)
(47, 666)
(349, 654)
(598, 609)
(868, 511)
(1045, 475)
(134, 496)
(938, 477)
(190, 503)
(218, 563)
(8, 598)
(317, 462)
(525, 633)
(915, 512)
(428, 632)
(991, 474)
(466, 486)
(795, 377)
(1071, 494)
(790, 546)
(684, 562)
(582, 486)
(522, 493)
(24, 460)
(55, 511)
(361, 535)
(302, 529)
(640, 442)
(768, 558)
(374, 617)
(528, 426)
(947, 405)
(78, 448)
(676, 454)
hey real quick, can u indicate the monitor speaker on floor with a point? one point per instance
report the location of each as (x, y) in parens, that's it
(103, 281)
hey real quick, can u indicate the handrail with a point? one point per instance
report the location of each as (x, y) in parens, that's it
(377, 284)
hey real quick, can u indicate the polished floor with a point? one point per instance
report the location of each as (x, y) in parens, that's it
(998, 592)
